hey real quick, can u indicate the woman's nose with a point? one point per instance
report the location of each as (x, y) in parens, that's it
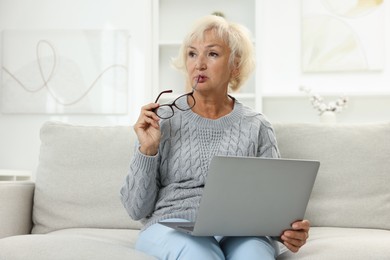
(200, 63)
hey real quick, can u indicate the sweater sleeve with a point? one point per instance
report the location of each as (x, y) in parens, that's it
(268, 146)
(139, 191)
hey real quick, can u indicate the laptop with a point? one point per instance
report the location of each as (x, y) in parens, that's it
(251, 196)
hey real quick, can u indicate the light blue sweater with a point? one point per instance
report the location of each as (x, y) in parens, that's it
(170, 184)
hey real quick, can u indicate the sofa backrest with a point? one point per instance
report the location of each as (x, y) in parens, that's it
(352, 188)
(79, 176)
(81, 170)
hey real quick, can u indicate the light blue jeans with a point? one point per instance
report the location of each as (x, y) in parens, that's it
(168, 244)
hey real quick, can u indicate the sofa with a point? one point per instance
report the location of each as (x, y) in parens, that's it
(73, 209)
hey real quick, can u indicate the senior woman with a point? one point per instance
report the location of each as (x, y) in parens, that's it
(176, 142)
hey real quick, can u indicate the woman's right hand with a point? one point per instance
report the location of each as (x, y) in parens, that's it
(147, 129)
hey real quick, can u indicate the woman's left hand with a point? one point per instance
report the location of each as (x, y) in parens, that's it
(296, 237)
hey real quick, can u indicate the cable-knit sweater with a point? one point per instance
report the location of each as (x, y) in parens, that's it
(170, 184)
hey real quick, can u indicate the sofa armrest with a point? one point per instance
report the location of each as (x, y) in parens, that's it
(16, 201)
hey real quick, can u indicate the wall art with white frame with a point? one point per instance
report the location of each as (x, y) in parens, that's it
(343, 35)
(64, 71)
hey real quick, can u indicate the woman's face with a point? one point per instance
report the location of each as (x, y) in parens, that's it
(209, 59)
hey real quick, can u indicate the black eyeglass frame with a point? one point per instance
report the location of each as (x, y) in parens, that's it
(173, 104)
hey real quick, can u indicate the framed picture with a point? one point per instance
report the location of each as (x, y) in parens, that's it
(64, 72)
(345, 35)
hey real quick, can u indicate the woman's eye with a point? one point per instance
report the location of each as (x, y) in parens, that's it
(213, 54)
(191, 54)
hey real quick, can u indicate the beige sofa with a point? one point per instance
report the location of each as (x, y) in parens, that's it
(73, 210)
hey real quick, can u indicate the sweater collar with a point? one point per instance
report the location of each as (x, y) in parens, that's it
(222, 122)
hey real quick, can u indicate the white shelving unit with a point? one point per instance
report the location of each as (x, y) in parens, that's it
(14, 175)
(172, 20)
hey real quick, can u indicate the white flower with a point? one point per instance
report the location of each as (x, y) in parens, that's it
(319, 104)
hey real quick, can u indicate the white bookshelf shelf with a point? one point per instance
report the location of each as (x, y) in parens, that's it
(14, 175)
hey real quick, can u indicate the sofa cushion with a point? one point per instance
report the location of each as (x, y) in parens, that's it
(352, 185)
(343, 243)
(75, 244)
(79, 176)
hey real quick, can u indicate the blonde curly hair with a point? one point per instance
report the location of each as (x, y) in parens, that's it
(236, 36)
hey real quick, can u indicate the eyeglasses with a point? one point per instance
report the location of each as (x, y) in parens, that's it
(166, 111)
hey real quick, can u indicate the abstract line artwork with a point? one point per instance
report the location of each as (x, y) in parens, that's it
(343, 35)
(64, 72)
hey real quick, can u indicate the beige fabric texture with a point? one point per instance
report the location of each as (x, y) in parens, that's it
(15, 208)
(352, 186)
(343, 244)
(73, 244)
(79, 176)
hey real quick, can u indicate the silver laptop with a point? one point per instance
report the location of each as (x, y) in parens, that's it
(250, 196)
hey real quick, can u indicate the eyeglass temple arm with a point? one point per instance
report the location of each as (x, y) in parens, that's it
(163, 92)
(196, 84)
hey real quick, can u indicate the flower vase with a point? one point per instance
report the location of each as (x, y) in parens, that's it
(328, 117)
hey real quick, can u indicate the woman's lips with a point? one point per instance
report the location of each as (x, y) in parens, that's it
(201, 78)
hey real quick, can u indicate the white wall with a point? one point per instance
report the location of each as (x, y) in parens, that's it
(19, 134)
(369, 92)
